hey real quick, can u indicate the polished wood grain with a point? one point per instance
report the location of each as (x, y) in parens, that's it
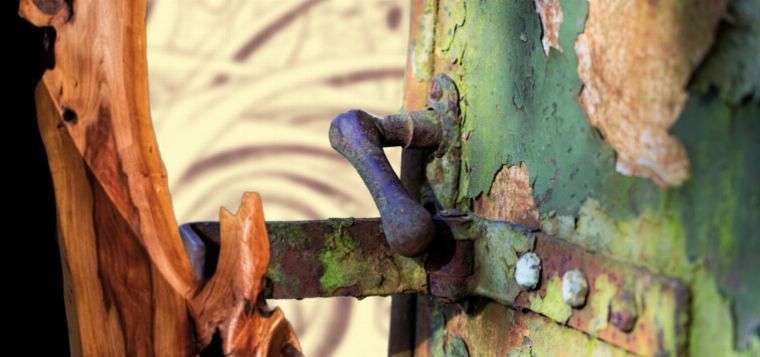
(99, 84)
(129, 288)
(117, 301)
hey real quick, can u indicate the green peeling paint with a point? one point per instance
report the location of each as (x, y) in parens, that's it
(656, 241)
(639, 241)
(452, 18)
(497, 253)
(422, 44)
(712, 326)
(519, 105)
(552, 305)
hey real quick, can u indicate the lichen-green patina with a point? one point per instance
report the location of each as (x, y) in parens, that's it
(497, 251)
(344, 266)
(518, 105)
(552, 305)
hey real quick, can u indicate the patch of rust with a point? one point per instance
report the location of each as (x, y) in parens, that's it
(635, 59)
(550, 13)
(510, 198)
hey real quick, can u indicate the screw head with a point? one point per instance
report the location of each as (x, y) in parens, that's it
(623, 314)
(528, 271)
(574, 288)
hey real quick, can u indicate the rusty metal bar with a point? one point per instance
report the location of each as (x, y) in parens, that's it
(335, 257)
(621, 303)
(624, 304)
(404, 307)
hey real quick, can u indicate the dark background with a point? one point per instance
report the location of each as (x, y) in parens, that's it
(33, 283)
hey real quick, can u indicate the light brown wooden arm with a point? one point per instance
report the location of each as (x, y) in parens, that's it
(99, 86)
(129, 286)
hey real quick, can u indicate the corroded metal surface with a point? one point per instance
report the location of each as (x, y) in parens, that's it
(337, 257)
(522, 106)
(360, 138)
(626, 306)
(401, 339)
(661, 301)
(450, 261)
(486, 328)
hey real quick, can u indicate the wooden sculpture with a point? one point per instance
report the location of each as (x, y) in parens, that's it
(129, 287)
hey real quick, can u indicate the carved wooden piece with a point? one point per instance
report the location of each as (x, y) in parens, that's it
(127, 278)
(230, 300)
(99, 85)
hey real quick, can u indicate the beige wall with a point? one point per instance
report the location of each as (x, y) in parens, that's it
(242, 94)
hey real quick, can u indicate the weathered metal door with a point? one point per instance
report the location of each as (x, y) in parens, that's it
(615, 134)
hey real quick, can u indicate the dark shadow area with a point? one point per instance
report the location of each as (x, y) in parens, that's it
(33, 289)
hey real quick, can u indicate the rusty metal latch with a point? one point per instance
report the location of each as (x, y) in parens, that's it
(433, 248)
(360, 137)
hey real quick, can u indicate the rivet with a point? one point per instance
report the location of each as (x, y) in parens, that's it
(528, 271)
(574, 288)
(623, 314)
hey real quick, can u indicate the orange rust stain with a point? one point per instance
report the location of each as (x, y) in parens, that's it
(551, 16)
(510, 198)
(635, 59)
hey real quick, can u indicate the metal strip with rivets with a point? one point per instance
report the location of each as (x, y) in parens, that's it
(617, 302)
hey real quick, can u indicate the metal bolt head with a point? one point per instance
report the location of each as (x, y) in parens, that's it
(623, 314)
(574, 288)
(528, 271)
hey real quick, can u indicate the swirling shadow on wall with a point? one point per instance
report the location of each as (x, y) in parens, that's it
(242, 94)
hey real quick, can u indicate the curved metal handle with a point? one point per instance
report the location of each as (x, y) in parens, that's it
(360, 137)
